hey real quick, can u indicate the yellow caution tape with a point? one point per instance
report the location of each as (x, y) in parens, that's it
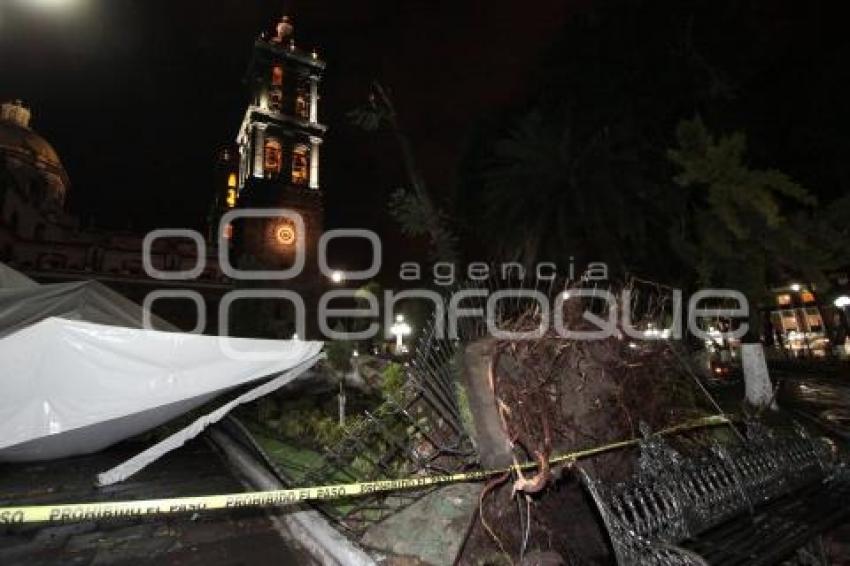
(281, 497)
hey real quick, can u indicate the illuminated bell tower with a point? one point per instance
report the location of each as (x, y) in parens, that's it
(278, 153)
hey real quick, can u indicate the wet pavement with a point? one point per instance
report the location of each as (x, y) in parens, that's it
(819, 396)
(218, 538)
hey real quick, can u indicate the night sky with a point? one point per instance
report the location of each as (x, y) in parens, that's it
(137, 95)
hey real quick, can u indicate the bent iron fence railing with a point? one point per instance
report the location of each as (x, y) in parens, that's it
(422, 430)
(666, 513)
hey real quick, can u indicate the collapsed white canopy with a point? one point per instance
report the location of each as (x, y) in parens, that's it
(91, 301)
(72, 387)
(11, 279)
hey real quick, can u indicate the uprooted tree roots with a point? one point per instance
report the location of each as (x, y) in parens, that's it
(555, 396)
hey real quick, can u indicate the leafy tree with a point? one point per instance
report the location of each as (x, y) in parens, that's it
(731, 229)
(579, 169)
(393, 378)
(414, 208)
(339, 353)
(828, 229)
(418, 217)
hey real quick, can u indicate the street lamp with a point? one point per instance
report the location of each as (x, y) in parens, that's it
(842, 301)
(337, 277)
(795, 287)
(400, 329)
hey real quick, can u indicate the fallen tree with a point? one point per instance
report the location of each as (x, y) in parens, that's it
(551, 396)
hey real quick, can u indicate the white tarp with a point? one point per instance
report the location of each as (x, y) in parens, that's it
(72, 387)
(77, 373)
(178, 439)
(24, 302)
(21, 306)
(11, 279)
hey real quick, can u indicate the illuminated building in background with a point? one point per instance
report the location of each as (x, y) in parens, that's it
(276, 161)
(42, 239)
(797, 321)
(274, 164)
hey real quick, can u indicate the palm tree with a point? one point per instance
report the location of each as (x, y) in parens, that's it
(551, 187)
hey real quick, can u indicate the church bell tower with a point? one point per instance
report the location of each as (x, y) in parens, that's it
(278, 155)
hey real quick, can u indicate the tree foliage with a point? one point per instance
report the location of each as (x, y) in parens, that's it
(601, 162)
(417, 217)
(733, 192)
(414, 209)
(732, 229)
(553, 187)
(339, 354)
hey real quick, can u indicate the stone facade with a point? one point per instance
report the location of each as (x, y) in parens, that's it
(40, 238)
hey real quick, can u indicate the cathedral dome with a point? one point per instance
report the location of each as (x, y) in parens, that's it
(29, 157)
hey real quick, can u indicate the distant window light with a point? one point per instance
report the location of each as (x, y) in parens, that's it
(277, 75)
(228, 232)
(302, 109)
(231, 198)
(272, 158)
(275, 99)
(300, 164)
(231, 181)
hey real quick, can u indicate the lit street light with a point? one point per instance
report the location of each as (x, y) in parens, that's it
(400, 329)
(337, 277)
